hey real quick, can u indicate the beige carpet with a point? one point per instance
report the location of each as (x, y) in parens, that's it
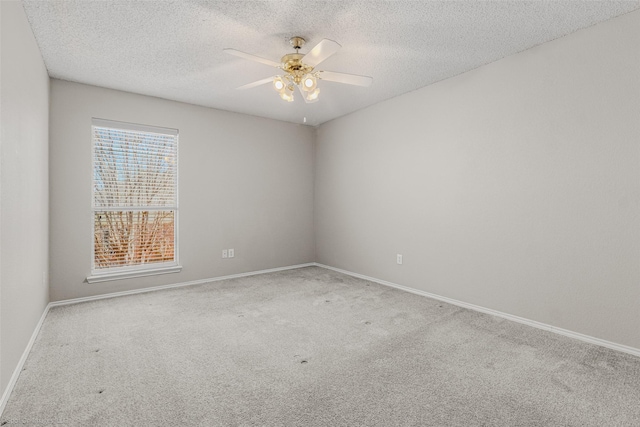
(311, 347)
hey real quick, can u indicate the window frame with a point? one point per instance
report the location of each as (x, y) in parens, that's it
(126, 272)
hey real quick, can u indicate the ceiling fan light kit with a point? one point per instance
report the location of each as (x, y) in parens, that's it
(299, 70)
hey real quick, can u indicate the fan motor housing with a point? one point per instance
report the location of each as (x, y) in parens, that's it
(292, 64)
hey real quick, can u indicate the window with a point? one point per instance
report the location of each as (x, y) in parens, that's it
(134, 201)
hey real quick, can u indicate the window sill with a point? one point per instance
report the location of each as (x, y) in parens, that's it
(97, 278)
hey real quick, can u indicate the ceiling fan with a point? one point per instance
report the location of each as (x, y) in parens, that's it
(299, 70)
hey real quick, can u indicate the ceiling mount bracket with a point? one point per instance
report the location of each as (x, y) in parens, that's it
(297, 42)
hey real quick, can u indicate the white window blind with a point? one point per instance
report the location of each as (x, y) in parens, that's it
(135, 196)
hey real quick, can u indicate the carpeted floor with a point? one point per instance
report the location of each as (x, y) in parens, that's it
(311, 347)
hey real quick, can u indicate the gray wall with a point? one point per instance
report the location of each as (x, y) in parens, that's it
(244, 183)
(515, 186)
(24, 223)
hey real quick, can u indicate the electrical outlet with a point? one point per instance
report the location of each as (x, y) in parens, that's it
(399, 258)
(225, 253)
(231, 253)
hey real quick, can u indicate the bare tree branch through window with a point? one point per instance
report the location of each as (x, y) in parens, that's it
(134, 197)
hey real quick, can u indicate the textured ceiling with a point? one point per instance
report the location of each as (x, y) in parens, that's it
(173, 49)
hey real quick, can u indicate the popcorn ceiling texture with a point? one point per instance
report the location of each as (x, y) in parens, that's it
(173, 49)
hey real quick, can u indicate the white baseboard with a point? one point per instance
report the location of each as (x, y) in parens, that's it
(177, 285)
(23, 359)
(27, 350)
(586, 338)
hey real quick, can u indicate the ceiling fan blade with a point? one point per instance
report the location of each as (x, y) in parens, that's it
(350, 79)
(258, 83)
(320, 52)
(252, 57)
